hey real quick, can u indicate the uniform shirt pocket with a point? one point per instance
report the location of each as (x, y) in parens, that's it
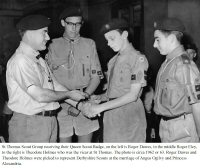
(123, 76)
(174, 92)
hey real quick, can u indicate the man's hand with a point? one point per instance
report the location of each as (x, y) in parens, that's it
(91, 110)
(95, 99)
(77, 95)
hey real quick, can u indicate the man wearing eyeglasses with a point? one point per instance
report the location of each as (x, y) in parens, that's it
(75, 64)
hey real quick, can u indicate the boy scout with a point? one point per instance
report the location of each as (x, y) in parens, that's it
(31, 86)
(75, 64)
(177, 97)
(124, 117)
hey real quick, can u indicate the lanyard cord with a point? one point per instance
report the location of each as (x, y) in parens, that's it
(70, 57)
(159, 77)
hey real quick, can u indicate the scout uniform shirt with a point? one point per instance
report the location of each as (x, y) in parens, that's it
(126, 123)
(23, 71)
(177, 87)
(74, 63)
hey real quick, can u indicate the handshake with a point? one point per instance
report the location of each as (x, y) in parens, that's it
(89, 107)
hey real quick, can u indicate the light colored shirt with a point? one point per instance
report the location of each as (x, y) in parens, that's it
(126, 123)
(130, 66)
(177, 85)
(74, 62)
(23, 71)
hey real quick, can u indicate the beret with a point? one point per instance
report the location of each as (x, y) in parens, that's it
(33, 22)
(71, 11)
(172, 24)
(113, 25)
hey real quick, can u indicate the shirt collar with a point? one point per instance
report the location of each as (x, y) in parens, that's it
(175, 53)
(28, 51)
(66, 37)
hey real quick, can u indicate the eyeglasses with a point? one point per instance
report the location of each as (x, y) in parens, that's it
(78, 24)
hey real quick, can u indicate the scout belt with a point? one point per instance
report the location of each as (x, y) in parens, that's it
(166, 118)
(48, 113)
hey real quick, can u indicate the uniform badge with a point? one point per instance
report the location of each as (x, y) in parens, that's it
(145, 75)
(189, 100)
(197, 88)
(133, 77)
(99, 73)
(141, 59)
(93, 71)
(198, 96)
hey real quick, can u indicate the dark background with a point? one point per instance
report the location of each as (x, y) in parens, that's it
(141, 14)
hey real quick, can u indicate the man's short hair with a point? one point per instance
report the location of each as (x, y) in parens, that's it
(179, 35)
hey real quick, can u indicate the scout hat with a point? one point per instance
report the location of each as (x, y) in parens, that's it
(33, 22)
(113, 25)
(71, 11)
(172, 24)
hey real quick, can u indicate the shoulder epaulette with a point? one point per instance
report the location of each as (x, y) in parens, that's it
(185, 59)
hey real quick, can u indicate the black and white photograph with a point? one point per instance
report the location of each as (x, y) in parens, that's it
(114, 81)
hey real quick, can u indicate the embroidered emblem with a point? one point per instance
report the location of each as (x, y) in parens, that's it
(141, 59)
(197, 88)
(145, 75)
(189, 100)
(93, 71)
(133, 77)
(99, 73)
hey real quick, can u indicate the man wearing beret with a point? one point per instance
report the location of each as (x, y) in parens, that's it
(75, 64)
(32, 89)
(124, 118)
(177, 97)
